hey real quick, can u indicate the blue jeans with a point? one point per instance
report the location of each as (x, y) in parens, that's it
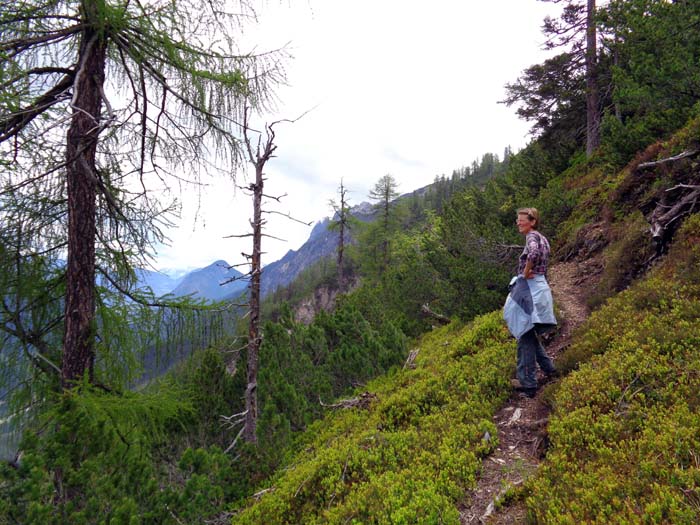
(530, 354)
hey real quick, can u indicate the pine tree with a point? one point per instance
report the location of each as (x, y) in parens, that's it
(553, 93)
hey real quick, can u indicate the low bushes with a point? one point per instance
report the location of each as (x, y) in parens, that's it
(414, 452)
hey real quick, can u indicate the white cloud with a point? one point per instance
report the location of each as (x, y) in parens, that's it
(398, 86)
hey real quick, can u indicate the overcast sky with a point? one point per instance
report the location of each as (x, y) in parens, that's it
(409, 88)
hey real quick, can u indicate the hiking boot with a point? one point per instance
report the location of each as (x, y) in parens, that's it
(527, 391)
(551, 376)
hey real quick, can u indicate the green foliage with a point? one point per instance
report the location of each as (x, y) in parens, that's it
(301, 365)
(624, 439)
(102, 457)
(413, 452)
(213, 392)
(90, 461)
(656, 76)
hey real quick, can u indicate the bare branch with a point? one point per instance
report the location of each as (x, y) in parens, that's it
(234, 279)
(237, 265)
(36, 71)
(232, 445)
(273, 237)
(688, 186)
(288, 216)
(425, 308)
(411, 359)
(18, 45)
(278, 199)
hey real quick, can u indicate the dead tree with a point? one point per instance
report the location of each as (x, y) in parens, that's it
(258, 159)
(666, 212)
(258, 156)
(341, 222)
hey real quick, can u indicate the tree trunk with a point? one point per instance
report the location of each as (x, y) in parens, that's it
(341, 240)
(254, 340)
(341, 248)
(78, 342)
(592, 98)
(385, 244)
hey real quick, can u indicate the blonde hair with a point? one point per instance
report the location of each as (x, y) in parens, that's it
(532, 214)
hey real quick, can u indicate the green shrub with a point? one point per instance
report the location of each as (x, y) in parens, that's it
(413, 453)
(625, 434)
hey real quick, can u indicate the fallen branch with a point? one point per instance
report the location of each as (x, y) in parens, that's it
(426, 310)
(361, 401)
(410, 360)
(680, 156)
(262, 492)
(661, 221)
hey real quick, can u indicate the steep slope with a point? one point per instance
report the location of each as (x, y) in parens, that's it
(626, 427)
(622, 443)
(632, 391)
(410, 446)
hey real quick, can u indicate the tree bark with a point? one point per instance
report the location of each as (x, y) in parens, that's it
(592, 96)
(78, 342)
(254, 340)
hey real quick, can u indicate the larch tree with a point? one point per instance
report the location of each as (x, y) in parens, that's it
(383, 193)
(103, 102)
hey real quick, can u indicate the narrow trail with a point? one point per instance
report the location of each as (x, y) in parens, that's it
(522, 422)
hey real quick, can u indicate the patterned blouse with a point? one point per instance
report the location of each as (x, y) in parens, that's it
(537, 251)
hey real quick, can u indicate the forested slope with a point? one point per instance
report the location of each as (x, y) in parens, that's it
(624, 431)
(408, 448)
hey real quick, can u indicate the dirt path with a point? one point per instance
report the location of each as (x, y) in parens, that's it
(522, 421)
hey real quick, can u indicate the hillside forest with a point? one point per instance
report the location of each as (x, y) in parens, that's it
(378, 406)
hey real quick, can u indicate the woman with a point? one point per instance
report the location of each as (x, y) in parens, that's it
(531, 297)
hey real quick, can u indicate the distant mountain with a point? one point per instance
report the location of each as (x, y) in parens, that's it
(205, 283)
(321, 243)
(160, 282)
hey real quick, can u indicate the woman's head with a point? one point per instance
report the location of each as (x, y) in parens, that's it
(528, 219)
